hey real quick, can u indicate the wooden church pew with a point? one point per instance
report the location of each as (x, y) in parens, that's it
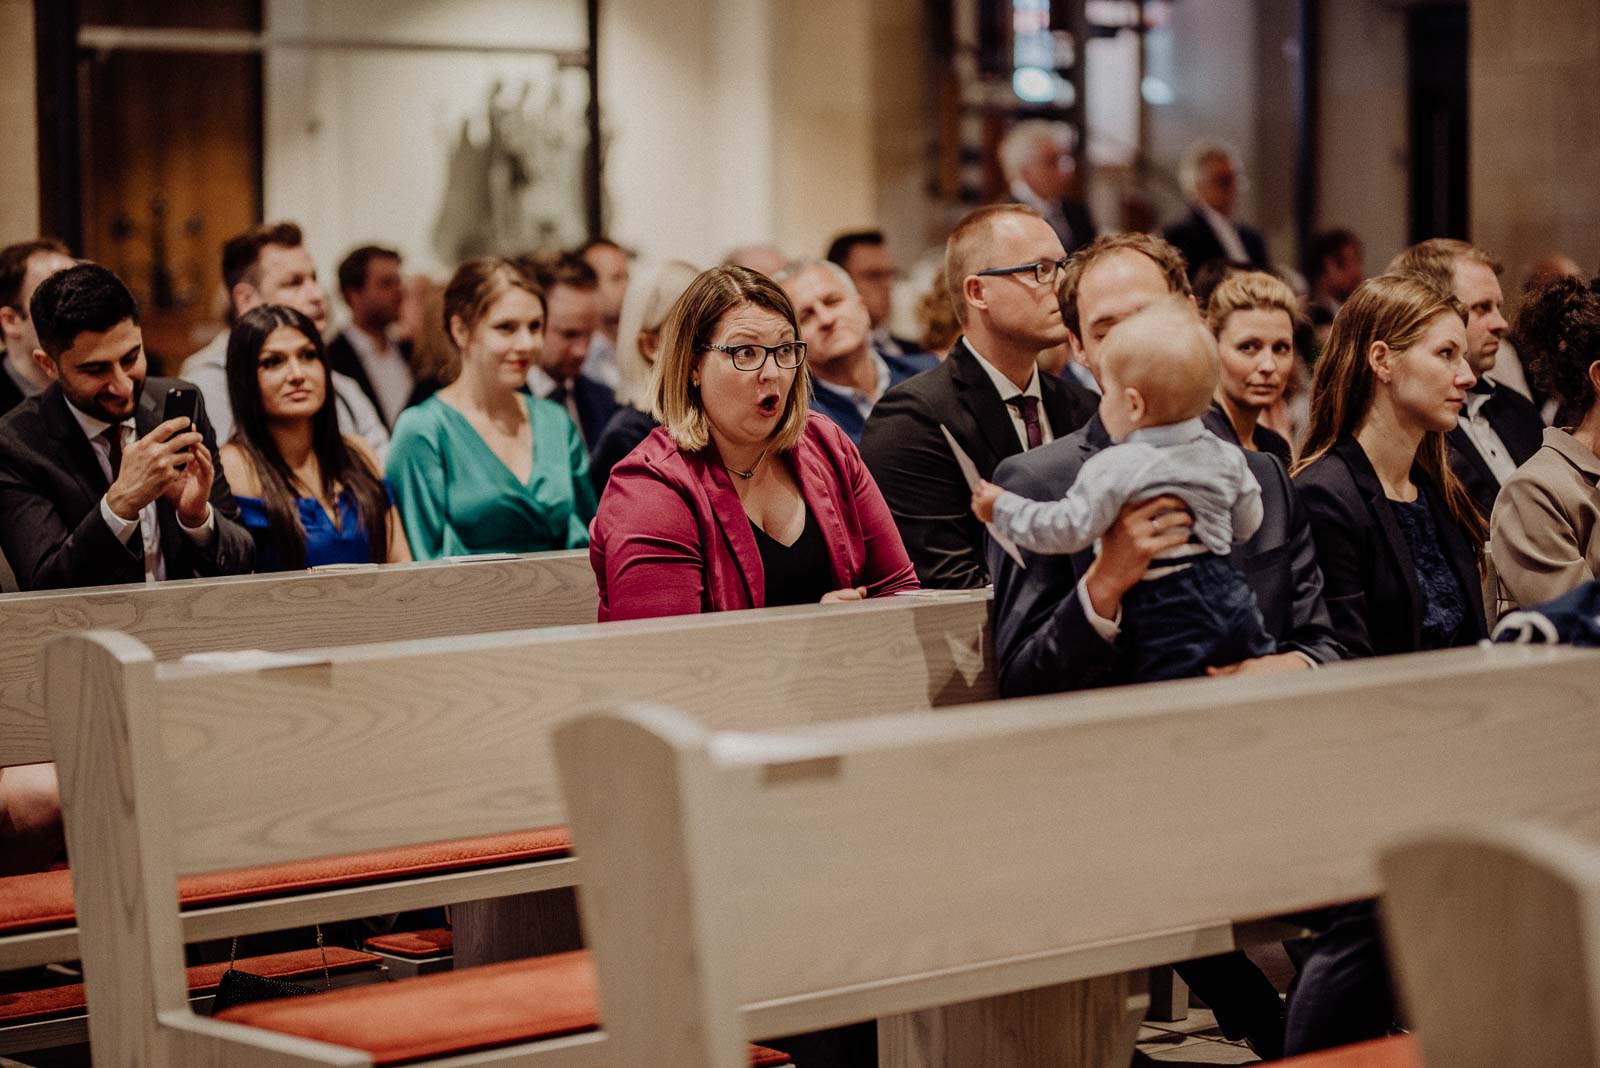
(975, 878)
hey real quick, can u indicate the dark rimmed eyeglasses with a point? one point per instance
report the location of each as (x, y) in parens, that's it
(1044, 272)
(789, 355)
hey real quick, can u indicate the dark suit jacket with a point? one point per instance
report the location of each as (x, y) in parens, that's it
(913, 466)
(1193, 237)
(343, 359)
(1366, 560)
(50, 489)
(1265, 439)
(1045, 644)
(842, 411)
(596, 403)
(11, 394)
(1520, 427)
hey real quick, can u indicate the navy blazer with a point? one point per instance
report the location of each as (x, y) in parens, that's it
(1193, 237)
(1521, 429)
(1044, 642)
(1366, 560)
(50, 488)
(913, 466)
(596, 403)
(844, 412)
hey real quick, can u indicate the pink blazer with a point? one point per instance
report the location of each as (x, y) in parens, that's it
(671, 537)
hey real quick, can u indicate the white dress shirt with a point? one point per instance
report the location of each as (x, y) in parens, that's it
(1008, 389)
(148, 523)
(541, 383)
(1485, 439)
(1227, 234)
(386, 369)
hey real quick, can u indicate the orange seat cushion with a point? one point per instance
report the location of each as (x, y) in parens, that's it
(451, 1012)
(437, 942)
(44, 899)
(1400, 1051)
(203, 979)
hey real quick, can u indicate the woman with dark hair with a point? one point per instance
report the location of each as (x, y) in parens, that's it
(1545, 519)
(1398, 539)
(310, 495)
(741, 498)
(483, 466)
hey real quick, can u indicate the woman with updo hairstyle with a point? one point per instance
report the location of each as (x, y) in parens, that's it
(1253, 316)
(482, 466)
(308, 494)
(741, 498)
(1545, 518)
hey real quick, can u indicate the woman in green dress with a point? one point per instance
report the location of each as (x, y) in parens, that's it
(481, 466)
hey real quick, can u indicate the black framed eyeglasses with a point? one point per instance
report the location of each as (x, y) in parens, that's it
(789, 355)
(1044, 272)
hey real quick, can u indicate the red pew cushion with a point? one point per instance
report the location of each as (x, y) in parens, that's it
(44, 899)
(203, 979)
(436, 942)
(451, 1012)
(1400, 1051)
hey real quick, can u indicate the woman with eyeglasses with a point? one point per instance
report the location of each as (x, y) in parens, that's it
(739, 499)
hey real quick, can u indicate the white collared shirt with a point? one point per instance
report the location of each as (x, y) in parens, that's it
(1008, 389)
(386, 369)
(148, 523)
(863, 402)
(542, 384)
(1485, 439)
(1227, 234)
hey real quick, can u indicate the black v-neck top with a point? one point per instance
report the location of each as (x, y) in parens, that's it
(795, 574)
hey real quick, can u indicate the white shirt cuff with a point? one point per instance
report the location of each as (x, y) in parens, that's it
(202, 534)
(1311, 661)
(121, 529)
(1107, 629)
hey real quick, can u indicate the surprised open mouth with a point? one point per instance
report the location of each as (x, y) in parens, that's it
(769, 403)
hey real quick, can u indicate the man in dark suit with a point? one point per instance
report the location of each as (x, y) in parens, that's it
(1499, 429)
(864, 256)
(848, 374)
(1211, 178)
(1040, 171)
(1056, 623)
(1001, 262)
(373, 290)
(22, 267)
(572, 315)
(95, 488)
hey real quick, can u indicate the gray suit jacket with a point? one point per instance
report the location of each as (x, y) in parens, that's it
(1044, 642)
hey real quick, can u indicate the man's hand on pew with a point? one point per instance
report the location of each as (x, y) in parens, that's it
(1275, 664)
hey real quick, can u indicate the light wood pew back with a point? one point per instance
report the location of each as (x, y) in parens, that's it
(1495, 934)
(294, 610)
(849, 871)
(174, 769)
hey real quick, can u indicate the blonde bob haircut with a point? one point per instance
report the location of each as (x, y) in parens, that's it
(1396, 309)
(1251, 291)
(684, 337)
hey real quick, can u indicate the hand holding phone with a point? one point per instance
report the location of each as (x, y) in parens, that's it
(181, 404)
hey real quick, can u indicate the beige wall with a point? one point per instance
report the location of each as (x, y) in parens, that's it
(19, 162)
(1535, 134)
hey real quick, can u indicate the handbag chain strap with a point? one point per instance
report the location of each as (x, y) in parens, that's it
(327, 976)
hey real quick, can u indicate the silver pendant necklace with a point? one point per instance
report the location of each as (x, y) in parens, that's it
(747, 475)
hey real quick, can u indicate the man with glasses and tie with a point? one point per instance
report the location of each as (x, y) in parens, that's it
(96, 487)
(1002, 263)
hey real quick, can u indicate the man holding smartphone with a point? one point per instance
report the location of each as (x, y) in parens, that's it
(103, 479)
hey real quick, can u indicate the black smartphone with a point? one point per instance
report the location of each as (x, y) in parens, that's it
(181, 403)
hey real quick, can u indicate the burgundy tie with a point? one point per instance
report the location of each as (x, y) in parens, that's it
(1029, 407)
(113, 436)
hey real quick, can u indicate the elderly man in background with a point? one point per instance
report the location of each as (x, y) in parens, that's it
(1040, 172)
(864, 255)
(1212, 179)
(762, 258)
(270, 264)
(848, 374)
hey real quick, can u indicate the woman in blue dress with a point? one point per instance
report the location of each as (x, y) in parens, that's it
(310, 495)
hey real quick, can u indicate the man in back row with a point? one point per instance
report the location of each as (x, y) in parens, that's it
(373, 290)
(1002, 262)
(22, 267)
(270, 264)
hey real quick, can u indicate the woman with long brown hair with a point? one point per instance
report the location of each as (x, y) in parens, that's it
(1398, 540)
(1397, 536)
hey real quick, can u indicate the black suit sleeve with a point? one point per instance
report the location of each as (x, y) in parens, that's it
(1339, 524)
(932, 508)
(44, 553)
(1311, 626)
(232, 551)
(1043, 641)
